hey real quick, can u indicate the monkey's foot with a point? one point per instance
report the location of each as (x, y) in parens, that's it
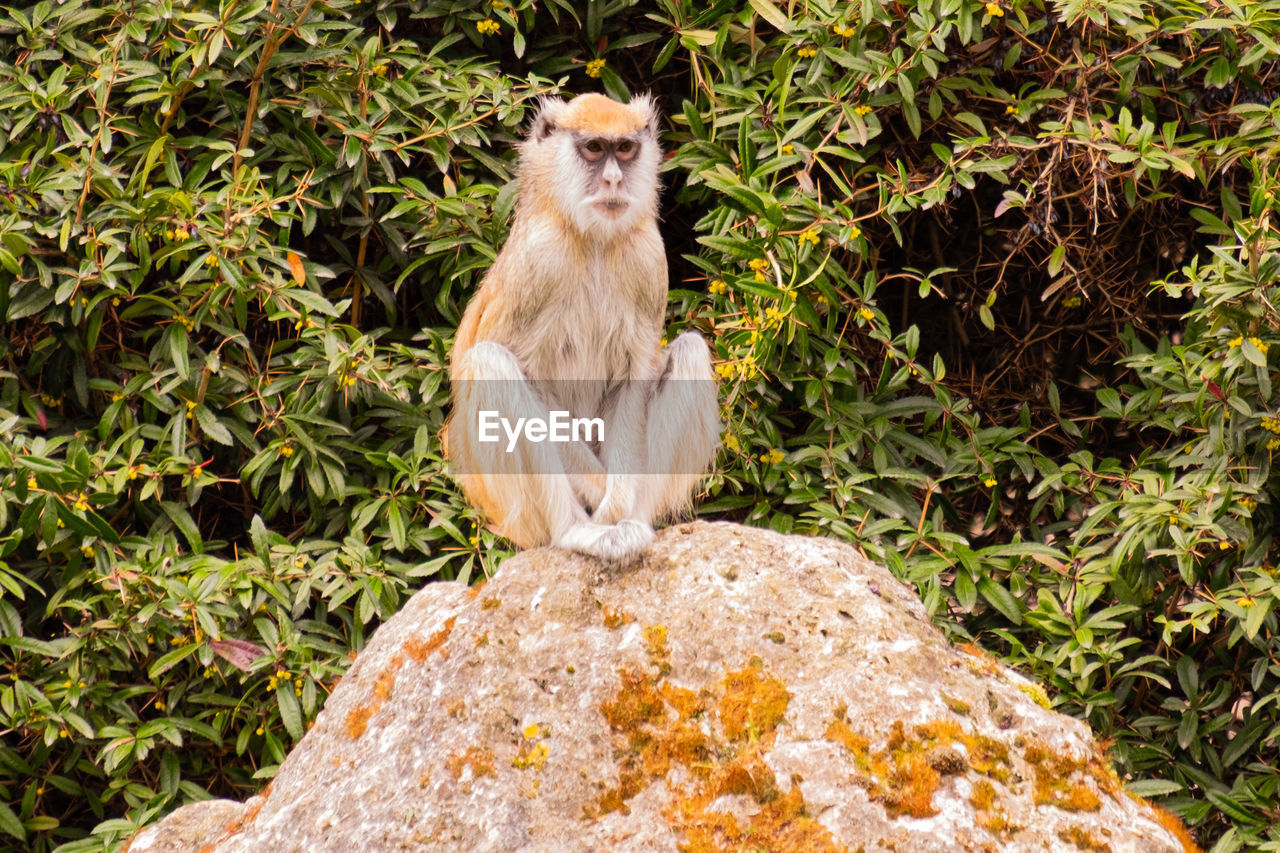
(608, 541)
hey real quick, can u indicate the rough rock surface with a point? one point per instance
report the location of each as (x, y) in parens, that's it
(733, 689)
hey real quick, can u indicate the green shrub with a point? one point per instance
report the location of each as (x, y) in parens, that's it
(991, 288)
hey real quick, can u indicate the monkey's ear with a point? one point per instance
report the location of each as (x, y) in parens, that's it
(647, 111)
(544, 123)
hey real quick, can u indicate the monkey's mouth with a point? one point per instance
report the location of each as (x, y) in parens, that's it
(612, 207)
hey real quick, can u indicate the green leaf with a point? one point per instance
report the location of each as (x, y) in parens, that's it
(1153, 787)
(1001, 599)
(290, 711)
(168, 660)
(772, 14)
(10, 824)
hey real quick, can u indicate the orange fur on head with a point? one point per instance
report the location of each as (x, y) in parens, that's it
(600, 114)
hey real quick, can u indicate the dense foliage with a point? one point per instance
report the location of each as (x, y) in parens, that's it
(992, 288)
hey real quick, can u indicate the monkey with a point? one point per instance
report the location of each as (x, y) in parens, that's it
(569, 318)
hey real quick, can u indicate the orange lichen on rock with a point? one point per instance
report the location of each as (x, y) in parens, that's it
(1054, 784)
(782, 825)
(999, 825)
(420, 649)
(685, 702)
(649, 738)
(358, 720)
(1174, 824)
(1083, 839)
(659, 727)
(386, 683)
(838, 730)
(904, 775)
(615, 618)
(479, 759)
(491, 603)
(983, 796)
(655, 642)
(358, 717)
(753, 703)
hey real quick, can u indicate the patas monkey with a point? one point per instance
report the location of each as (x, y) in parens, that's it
(569, 318)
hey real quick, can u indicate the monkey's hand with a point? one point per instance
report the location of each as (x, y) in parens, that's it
(608, 541)
(619, 500)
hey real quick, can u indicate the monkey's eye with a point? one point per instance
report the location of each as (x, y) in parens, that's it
(593, 150)
(626, 149)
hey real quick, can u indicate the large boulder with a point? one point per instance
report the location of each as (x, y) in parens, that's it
(733, 689)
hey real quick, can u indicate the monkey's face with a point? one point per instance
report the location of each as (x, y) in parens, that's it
(603, 158)
(610, 181)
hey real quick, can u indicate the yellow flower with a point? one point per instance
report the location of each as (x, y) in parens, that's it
(286, 450)
(380, 70)
(855, 233)
(810, 237)
(994, 10)
(87, 550)
(843, 31)
(1224, 545)
(31, 483)
(160, 706)
(1072, 301)
(731, 442)
(787, 148)
(806, 52)
(774, 315)
(724, 370)
(862, 109)
(1261, 347)
(1236, 341)
(82, 502)
(1271, 424)
(1249, 504)
(718, 286)
(773, 457)
(866, 314)
(1012, 109)
(488, 27)
(1245, 601)
(989, 482)
(595, 67)
(758, 264)
(1273, 444)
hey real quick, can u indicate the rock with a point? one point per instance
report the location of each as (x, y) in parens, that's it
(732, 689)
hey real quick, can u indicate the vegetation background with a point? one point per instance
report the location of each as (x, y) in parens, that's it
(991, 287)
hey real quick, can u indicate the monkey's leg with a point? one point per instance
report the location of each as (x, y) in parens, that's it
(683, 430)
(526, 489)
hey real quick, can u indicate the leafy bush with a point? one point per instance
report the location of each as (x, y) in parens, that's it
(991, 288)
